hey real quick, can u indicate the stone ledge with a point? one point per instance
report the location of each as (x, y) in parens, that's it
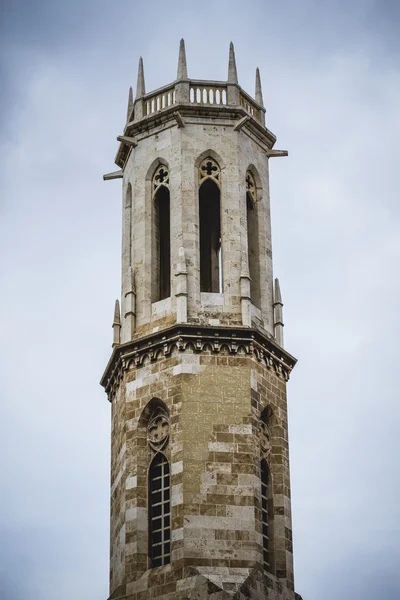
(233, 340)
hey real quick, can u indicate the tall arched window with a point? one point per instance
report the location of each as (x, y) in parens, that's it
(128, 224)
(159, 511)
(253, 239)
(161, 248)
(267, 507)
(159, 490)
(210, 226)
(265, 484)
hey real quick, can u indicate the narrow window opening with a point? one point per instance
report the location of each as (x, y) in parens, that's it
(210, 227)
(128, 223)
(265, 492)
(161, 272)
(159, 512)
(210, 237)
(253, 240)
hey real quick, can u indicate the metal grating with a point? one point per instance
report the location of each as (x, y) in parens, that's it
(264, 513)
(159, 512)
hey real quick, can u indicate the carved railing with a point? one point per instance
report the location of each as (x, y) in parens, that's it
(248, 104)
(202, 92)
(158, 100)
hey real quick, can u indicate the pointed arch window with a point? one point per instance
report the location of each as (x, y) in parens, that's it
(265, 485)
(159, 511)
(161, 246)
(253, 239)
(128, 224)
(159, 490)
(267, 511)
(210, 226)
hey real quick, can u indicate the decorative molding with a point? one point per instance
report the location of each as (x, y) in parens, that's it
(218, 112)
(242, 341)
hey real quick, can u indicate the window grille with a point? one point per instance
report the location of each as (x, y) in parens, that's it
(159, 511)
(264, 512)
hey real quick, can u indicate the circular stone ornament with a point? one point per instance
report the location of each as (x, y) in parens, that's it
(158, 431)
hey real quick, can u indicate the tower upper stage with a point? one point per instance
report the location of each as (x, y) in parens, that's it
(196, 240)
(187, 97)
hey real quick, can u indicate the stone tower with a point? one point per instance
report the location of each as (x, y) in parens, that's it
(200, 487)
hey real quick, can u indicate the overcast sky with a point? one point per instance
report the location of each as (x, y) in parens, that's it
(331, 83)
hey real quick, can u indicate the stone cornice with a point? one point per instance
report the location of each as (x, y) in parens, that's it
(232, 340)
(135, 128)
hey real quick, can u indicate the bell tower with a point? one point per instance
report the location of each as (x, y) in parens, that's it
(200, 485)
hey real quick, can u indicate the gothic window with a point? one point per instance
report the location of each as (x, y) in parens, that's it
(253, 239)
(161, 249)
(210, 226)
(265, 484)
(128, 224)
(267, 511)
(159, 491)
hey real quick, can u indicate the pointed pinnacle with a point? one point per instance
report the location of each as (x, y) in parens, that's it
(277, 293)
(232, 71)
(130, 104)
(117, 314)
(140, 88)
(182, 66)
(259, 96)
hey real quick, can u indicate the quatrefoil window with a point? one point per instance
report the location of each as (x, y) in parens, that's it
(209, 169)
(265, 433)
(265, 439)
(158, 431)
(161, 178)
(251, 188)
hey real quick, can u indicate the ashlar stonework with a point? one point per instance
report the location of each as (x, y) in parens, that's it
(200, 483)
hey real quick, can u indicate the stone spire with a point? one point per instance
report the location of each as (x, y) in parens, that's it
(140, 88)
(232, 71)
(130, 104)
(278, 314)
(182, 66)
(259, 96)
(117, 325)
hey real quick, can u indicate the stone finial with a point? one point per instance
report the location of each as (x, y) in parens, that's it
(278, 314)
(130, 105)
(232, 71)
(130, 307)
(259, 96)
(182, 66)
(140, 88)
(116, 325)
(277, 293)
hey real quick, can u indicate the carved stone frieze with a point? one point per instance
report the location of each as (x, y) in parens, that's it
(187, 338)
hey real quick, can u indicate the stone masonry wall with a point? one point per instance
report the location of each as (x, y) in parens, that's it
(214, 403)
(182, 150)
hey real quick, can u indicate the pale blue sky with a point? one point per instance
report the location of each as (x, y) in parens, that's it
(331, 83)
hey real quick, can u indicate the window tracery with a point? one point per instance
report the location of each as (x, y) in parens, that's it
(209, 169)
(160, 178)
(251, 188)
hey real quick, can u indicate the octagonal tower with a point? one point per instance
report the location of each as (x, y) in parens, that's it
(200, 486)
